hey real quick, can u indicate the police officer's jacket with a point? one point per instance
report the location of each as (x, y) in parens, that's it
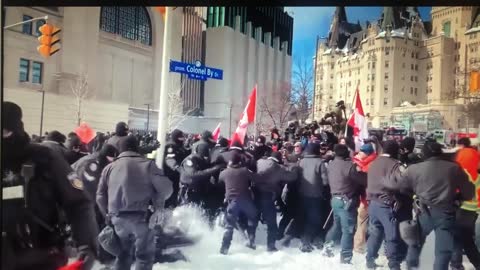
(195, 172)
(344, 179)
(30, 204)
(261, 151)
(436, 182)
(270, 174)
(130, 184)
(115, 141)
(173, 157)
(89, 170)
(313, 177)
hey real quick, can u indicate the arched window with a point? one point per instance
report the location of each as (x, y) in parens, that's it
(129, 22)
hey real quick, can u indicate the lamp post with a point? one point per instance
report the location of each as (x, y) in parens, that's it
(41, 111)
(148, 116)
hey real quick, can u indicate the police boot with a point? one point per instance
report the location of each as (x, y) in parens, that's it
(251, 240)
(372, 265)
(271, 246)
(328, 251)
(306, 244)
(224, 248)
(345, 259)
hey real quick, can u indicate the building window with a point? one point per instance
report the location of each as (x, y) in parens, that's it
(386, 76)
(24, 70)
(413, 55)
(373, 77)
(367, 102)
(37, 69)
(371, 101)
(373, 64)
(37, 27)
(332, 66)
(368, 64)
(416, 91)
(411, 66)
(385, 101)
(387, 52)
(129, 22)
(416, 67)
(386, 64)
(27, 27)
(386, 88)
(411, 78)
(446, 28)
(373, 88)
(368, 89)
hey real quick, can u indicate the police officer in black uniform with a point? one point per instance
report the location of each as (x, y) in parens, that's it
(260, 149)
(39, 188)
(175, 153)
(195, 174)
(89, 169)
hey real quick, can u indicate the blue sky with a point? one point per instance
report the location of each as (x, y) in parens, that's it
(312, 21)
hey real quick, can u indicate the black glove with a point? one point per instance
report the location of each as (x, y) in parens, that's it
(87, 256)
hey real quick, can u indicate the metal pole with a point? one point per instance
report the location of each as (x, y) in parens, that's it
(27, 21)
(41, 112)
(148, 116)
(163, 104)
(230, 121)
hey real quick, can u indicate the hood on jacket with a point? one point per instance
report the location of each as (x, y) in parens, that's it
(469, 158)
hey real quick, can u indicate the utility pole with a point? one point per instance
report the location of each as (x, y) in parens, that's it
(163, 104)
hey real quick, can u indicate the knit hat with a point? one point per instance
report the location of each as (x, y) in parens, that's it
(56, 136)
(121, 129)
(207, 135)
(235, 160)
(431, 149)
(391, 147)
(408, 143)
(12, 116)
(367, 148)
(341, 150)
(130, 143)
(312, 149)
(176, 134)
(222, 142)
(261, 139)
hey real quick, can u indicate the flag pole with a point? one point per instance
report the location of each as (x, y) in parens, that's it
(163, 103)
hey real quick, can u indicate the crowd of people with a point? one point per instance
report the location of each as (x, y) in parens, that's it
(330, 193)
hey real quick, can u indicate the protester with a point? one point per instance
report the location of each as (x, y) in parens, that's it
(346, 183)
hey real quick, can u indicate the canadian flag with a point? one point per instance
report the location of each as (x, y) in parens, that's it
(357, 120)
(216, 132)
(248, 116)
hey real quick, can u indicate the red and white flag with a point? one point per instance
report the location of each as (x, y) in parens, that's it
(216, 132)
(248, 117)
(358, 120)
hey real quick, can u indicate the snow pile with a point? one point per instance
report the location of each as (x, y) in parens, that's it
(205, 254)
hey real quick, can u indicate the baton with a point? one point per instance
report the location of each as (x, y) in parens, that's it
(328, 219)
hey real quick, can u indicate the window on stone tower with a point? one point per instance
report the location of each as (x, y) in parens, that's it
(385, 101)
(386, 64)
(446, 28)
(129, 22)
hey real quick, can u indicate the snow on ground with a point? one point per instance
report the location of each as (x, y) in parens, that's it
(205, 254)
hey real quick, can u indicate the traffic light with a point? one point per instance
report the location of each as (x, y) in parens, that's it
(48, 39)
(474, 81)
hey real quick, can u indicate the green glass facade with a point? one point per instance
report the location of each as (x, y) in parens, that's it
(271, 19)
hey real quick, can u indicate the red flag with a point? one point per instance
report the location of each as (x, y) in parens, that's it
(216, 132)
(248, 116)
(357, 120)
(85, 133)
(76, 265)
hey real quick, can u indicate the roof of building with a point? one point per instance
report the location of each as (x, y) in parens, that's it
(341, 29)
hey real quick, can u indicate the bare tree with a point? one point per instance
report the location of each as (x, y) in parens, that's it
(277, 109)
(176, 115)
(78, 84)
(302, 89)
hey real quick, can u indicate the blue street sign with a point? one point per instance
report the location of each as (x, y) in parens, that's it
(196, 71)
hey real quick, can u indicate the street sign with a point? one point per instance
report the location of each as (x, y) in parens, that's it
(196, 71)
